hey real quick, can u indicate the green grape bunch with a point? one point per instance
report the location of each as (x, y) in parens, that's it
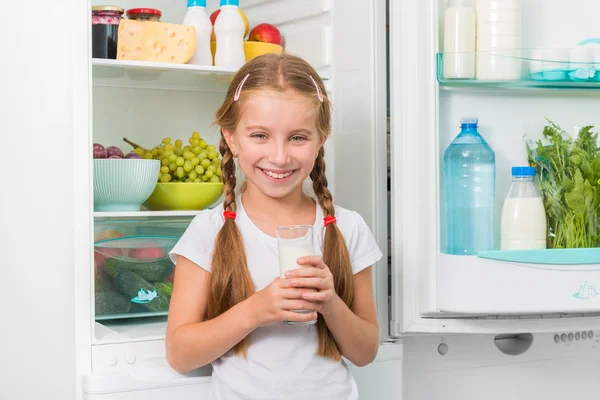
(194, 163)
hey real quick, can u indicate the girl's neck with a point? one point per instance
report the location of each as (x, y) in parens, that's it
(282, 211)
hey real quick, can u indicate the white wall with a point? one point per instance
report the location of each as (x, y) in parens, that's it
(473, 369)
(37, 329)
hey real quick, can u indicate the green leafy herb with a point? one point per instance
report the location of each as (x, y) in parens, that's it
(569, 174)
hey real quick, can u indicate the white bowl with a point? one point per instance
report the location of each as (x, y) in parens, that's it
(123, 184)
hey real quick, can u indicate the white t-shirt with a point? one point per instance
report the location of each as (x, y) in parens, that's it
(282, 361)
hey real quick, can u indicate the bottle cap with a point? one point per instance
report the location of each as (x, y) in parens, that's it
(196, 3)
(469, 121)
(523, 171)
(230, 3)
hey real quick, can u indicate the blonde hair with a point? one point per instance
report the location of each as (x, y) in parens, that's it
(231, 282)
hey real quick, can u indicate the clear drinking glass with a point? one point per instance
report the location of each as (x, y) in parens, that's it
(294, 242)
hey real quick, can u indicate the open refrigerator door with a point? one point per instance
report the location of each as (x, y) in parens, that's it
(513, 78)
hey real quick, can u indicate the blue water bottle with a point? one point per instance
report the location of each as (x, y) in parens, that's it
(470, 192)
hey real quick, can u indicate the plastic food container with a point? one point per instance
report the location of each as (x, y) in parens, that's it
(105, 31)
(144, 14)
(133, 276)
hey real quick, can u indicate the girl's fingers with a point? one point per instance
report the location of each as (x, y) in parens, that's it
(305, 272)
(318, 283)
(299, 317)
(299, 304)
(316, 261)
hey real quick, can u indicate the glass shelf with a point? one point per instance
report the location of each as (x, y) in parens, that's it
(523, 68)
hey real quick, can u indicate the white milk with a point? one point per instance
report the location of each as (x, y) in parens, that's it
(523, 224)
(459, 37)
(288, 254)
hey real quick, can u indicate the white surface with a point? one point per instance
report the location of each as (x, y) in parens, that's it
(474, 369)
(38, 334)
(471, 285)
(198, 18)
(158, 75)
(140, 370)
(523, 224)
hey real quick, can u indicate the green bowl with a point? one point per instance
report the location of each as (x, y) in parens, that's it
(184, 196)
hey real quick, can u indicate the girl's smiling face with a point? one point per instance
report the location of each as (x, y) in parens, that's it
(276, 141)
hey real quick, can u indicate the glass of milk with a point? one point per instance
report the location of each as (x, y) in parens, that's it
(523, 215)
(294, 242)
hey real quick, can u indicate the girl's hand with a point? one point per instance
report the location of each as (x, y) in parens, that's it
(273, 304)
(318, 276)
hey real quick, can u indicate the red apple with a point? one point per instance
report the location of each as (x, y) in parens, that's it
(266, 33)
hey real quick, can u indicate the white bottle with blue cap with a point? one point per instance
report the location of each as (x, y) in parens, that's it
(523, 225)
(229, 32)
(197, 17)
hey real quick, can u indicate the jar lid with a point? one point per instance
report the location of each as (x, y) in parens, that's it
(108, 8)
(523, 171)
(151, 11)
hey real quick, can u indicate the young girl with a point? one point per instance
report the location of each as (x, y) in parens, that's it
(228, 302)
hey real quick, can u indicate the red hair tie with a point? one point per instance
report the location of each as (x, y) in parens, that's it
(229, 214)
(329, 220)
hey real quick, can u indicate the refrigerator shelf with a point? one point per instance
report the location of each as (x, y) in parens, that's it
(136, 214)
(158, 75)
(517, 69)
(517, 283)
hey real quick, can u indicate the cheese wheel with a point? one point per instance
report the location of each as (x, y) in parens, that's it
(155, 41)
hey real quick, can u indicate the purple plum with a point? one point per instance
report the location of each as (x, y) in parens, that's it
(114, 157)
(133, 154)
(114, 151)
(99, 151)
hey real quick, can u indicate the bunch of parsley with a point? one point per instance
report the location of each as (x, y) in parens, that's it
(569, 175)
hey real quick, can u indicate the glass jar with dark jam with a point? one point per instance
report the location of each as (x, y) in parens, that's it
(105, 31)
(144, 14)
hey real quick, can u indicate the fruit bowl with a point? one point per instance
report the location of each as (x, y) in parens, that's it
(123, 184)
(254, 49)
(184, 196)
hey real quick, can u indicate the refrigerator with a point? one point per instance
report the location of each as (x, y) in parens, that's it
(391, 124)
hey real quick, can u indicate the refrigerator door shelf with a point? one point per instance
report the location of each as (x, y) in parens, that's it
(520, 283)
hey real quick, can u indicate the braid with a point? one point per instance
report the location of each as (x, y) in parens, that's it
(230, 279)
(335, 256)
(317, 175)
(227, 175)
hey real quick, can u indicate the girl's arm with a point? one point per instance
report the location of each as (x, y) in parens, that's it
(192, 342)
(356, 329)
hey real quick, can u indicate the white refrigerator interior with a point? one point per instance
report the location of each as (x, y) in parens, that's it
(127, 357)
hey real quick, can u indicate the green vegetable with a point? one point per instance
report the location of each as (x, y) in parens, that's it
(130, 284)
(151, 270)
(112, 303)
(569, 175)
(166, 287)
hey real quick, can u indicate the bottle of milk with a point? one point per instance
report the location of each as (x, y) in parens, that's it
(459, 40)
(229, 33)
(523, 225)
(197, 17)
